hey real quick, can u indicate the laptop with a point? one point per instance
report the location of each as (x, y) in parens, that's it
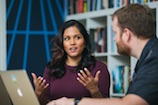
(18, 87)
(4, 96)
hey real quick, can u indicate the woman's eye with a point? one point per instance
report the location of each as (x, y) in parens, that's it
(77, 37)
(66, 38)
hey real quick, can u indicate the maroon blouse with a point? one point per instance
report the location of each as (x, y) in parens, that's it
(68, 86)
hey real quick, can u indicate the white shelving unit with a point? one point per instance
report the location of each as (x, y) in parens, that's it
(3, 47)
(102, 18)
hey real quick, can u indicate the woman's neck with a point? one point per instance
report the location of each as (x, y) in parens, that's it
(73, 61)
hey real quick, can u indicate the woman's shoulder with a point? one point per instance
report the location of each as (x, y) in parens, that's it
(100, 63)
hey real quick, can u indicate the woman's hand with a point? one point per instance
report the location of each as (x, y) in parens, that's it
(90, 82)
(39, 83)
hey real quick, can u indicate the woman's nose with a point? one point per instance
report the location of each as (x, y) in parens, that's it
(72, 41)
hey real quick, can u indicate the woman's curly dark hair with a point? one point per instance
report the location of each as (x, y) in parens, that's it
(59, 56)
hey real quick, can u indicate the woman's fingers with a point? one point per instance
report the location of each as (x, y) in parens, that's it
(83, 74)
(84, 77)
(44, 84)
(88, 72)
(40, 81)
(97, 76)
(81, 81)
(34, 77)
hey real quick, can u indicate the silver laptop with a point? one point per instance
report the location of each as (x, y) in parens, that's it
(4, 96)
(19, 88)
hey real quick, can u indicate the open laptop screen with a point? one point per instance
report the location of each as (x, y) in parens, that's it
(19, 87)
(4, 96)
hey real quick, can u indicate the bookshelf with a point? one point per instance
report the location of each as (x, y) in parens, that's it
(3, 36)
(94, 19)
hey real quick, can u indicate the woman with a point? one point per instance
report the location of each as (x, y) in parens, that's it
(72, 71)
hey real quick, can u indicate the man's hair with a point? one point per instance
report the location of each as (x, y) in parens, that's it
(137, 18)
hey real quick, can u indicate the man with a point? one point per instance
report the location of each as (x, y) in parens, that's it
(134, 29)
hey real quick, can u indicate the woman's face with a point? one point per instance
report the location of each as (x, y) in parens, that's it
(73, 42)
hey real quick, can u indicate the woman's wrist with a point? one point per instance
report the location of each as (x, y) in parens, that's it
(94, 90)
(96, 93)
(38, 94)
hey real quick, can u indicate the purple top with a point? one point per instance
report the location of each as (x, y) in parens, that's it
(68, 86)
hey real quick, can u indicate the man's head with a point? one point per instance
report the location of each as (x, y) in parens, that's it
(133, 19)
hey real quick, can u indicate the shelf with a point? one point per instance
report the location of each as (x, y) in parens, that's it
(92, 14)
(102, 19)
(100, 54)
(117, 95)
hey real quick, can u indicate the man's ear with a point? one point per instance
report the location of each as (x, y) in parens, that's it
(127, 35)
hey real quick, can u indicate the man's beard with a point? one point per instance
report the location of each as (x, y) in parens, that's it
(123, 49)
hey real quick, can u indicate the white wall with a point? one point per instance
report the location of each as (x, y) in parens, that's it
(3, 35)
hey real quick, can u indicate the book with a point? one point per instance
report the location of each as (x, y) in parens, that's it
(85, 7)
(105, 4)
(121, 79)
(99, 40)
(80, 6)
(113, 43)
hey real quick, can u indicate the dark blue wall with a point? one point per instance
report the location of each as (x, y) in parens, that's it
(31, 24)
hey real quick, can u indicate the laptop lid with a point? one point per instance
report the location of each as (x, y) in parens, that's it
(19, 87)
(4, 97)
